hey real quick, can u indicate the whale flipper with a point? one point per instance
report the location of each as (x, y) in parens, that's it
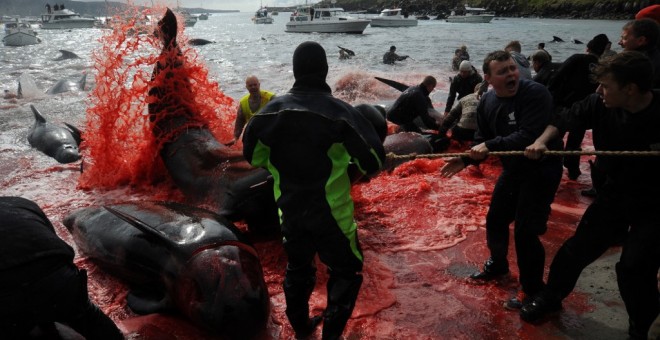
(75, 132)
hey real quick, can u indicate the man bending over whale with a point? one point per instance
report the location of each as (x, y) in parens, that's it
(39, 283)
(307, 139)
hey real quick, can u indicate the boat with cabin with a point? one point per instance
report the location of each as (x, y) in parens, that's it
(203, 16)
(393, 17)
(65, 19)
(19, 33)
(325, 20)
(471, 15)
(189, 20)
(261, 16)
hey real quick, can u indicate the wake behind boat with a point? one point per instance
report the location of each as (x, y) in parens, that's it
(393, 18)
(471, 15)
(65, 19)
(20, 33)
(325, 20)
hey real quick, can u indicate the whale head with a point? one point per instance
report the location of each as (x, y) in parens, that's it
(67, 153)
(222, 289)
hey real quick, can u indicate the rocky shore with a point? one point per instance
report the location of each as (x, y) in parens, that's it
(577, 9)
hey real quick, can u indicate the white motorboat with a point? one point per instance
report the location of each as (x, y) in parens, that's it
(324, 20)
(19, 33)
(393, 18)
(471, 15)
(189, 20)
(65, 19)
(262, 17)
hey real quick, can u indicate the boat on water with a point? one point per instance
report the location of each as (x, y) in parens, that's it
(324, 20)
(65, 19)
(203, 16)
(189, 20)
(20, 33)
(471, 15)
(262, 16)
(393, 17)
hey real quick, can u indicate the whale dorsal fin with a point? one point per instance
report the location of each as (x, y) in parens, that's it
(37, 115)
(144, 227)
(82, 82)
(67, 55)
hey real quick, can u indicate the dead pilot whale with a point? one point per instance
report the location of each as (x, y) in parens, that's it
(55, 141)
(181, 258)
(204, 169)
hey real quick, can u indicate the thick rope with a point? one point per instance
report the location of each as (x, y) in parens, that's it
(521, 153)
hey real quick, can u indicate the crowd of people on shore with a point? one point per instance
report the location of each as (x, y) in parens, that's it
(522, 111)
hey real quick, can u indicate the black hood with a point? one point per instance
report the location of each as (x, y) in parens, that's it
(310, 67)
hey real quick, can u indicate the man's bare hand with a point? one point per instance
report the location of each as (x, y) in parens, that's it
(479, 152)
(536, 150)
(453, 166)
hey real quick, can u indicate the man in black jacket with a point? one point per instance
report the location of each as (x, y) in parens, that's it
(571, 83)
(308, 139)
(39, 283)
(462, 84)
(415, 103)
(510, 117)
(623, 115)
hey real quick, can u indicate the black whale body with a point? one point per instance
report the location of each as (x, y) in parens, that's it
(178, 257)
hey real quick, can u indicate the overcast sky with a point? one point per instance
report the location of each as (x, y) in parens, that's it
(242, 5)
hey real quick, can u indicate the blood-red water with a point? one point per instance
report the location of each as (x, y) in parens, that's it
(421, 234)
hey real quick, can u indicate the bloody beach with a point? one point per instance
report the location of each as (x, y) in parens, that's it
(422, 235)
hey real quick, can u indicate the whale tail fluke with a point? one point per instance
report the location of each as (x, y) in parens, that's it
(167, 28)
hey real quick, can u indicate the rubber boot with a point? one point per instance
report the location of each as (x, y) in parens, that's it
(342, 294)
(298, 287)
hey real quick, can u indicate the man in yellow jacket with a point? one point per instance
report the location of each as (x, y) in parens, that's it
(250, 104)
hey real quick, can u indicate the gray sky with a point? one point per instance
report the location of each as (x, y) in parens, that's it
(242, 5)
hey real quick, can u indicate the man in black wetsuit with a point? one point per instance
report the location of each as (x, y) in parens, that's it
(623, 115)
(39, 284)
(510, 118)
(307, 139)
